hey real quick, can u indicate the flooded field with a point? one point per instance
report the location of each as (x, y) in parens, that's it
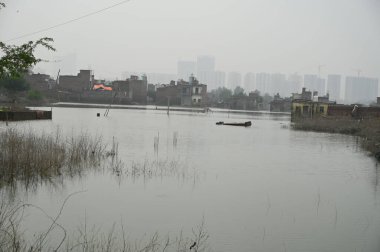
(260, 188)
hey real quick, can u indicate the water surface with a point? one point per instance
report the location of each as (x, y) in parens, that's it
(262, 188)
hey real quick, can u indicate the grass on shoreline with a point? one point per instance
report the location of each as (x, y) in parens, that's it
(367, 129)
(30, 157)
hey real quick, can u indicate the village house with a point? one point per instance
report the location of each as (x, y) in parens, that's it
(309, 105)
(323, 107)
(40, 82)
(76, 84)
(134, 89)
(182, 93)
(280, 104)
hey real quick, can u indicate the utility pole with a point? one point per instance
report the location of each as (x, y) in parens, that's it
(359, 71)
(168, 104)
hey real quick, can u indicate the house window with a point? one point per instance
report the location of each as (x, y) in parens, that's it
(199, 100)
(194, 100)
(321, 109)
(196, 90)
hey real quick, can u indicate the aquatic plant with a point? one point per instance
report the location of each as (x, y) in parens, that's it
(367, 129)
(88, 239)
(30, 157)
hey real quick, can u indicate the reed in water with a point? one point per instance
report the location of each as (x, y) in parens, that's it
(28, 156)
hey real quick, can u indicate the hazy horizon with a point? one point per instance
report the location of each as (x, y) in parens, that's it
(244, 36)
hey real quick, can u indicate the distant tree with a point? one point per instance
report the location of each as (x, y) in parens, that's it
(266, 100)
(34, 95)
(14, 84)
(239, 91)
(223, 93)
(256, 92)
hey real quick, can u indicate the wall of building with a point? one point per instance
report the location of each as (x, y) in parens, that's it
(79, 83)
(171, 92)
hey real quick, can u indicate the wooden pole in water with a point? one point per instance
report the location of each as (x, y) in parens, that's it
(168, 104)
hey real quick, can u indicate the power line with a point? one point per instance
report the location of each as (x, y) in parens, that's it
(69, 21)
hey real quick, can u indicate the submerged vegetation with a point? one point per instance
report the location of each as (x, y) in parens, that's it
(30, 157)
(88, 239)
(154, 169)
(367, 129)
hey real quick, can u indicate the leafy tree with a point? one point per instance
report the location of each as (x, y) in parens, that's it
(223, 93)
(34, 95)
(14, 84)
(16, 60)
(239, 91)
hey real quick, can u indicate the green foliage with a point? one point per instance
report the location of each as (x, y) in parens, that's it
(239, 91)
(222, 93)
(14, 84)
(18, 59)
(34, 95)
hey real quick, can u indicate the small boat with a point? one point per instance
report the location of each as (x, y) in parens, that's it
(244, 124)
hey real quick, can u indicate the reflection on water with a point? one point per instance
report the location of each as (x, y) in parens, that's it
(262, 188)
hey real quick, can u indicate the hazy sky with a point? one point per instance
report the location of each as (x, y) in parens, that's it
(244, 35)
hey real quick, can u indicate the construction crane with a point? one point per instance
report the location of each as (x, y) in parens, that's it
(359, 71)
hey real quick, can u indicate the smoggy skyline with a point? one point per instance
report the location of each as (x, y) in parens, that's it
(244, 36)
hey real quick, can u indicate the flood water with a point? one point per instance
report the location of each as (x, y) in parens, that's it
(261, 188)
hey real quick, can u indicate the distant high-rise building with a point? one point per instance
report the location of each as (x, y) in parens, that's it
(206, 71)
(333, 86)
(361, 89)
(208, 78)
(249, 82)
(314, 83)
(263, 81)
(220, 79)
(205, 64)
(234, 80)
(185, 69)
(278, 84)
(295, 83)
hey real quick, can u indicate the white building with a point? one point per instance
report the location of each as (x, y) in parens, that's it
(206, 70)
(249, 82)
(234, 80)
(220, 79)
(333, 86)
(278, 84)
(361, 89)
(295, 83)
(185, 69)
(314, 83)
(263, 81)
